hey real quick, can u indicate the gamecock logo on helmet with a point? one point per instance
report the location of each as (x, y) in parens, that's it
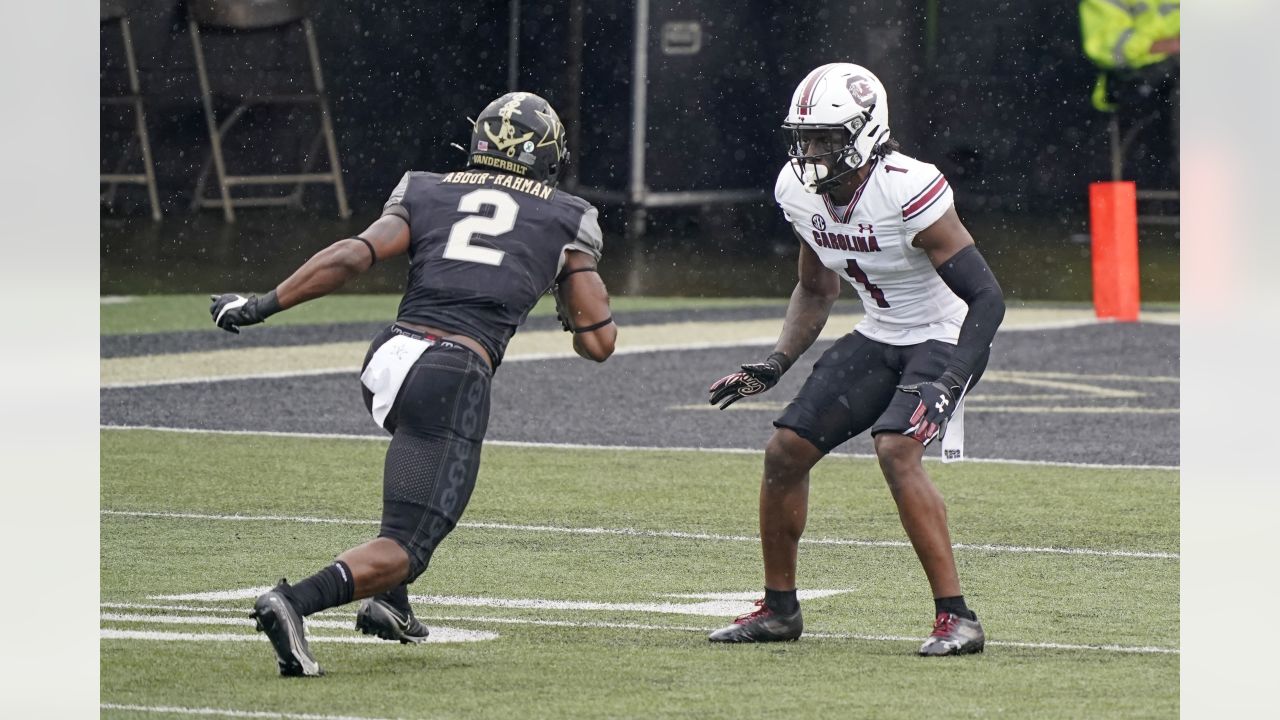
(862, 91)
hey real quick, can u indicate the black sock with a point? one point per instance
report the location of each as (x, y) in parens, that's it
(955, 606)
(783, 602)
(398, 598)
(328, 588)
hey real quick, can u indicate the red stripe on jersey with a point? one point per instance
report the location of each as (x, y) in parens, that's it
(926, 189)
(848, 212)
(938, 186)
(857, 195)
(831, 208)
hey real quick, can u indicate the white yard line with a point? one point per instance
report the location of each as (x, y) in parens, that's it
(438, 634)
(823, 636)
(635, 532)
(976, 407)
(1146, 649)
(210, 637)
(166, 636)
(713, 607)
(641, 448)
(225, 712)
(237, 611)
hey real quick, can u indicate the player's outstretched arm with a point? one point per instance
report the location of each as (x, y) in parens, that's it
(816, 291)
(965, 271)
(582, 304)
(320, 275)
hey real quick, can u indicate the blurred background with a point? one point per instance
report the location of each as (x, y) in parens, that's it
(997, 94)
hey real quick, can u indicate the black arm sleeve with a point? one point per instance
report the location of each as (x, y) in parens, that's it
(969, 277)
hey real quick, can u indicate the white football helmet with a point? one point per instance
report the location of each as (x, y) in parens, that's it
(843, 97)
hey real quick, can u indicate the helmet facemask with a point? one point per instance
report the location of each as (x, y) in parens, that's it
(820, 170)
(842, 98)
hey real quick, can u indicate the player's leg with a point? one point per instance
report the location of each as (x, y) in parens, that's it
(848, 387)
(784, 505)
(439, 421)
(921, 508)
(429, 475)
(359, 572)
(279, 612)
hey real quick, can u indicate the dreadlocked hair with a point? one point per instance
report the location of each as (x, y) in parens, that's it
(883, 149)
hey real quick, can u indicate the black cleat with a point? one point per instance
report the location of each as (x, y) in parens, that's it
(381, 618)
(761, 625)
(954, 635)
(276, 617)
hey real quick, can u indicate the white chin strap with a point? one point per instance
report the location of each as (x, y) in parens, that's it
(812, 174)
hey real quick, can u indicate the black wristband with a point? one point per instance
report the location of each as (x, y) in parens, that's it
(268, 305)
(372, 253)
(953, 381)
(567, 273)
(593, 326)
(783, 361)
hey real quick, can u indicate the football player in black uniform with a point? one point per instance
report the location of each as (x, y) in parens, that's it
(484, 244)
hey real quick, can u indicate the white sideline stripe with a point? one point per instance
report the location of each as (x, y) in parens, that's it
(345, 369)
(625, 350)
(438, 634)
(1146, 649)
(641, 448)
(633, 532)
(223, 712)
(226, 378)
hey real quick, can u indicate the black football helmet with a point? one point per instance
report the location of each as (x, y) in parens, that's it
(519, 133)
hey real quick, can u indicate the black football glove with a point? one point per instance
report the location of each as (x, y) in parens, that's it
(754, 379)
(937, 402)
(231, 311)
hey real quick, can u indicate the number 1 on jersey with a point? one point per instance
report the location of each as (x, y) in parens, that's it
(857, 273)
(503, 220)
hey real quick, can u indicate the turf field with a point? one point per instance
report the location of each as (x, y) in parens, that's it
(613, 526)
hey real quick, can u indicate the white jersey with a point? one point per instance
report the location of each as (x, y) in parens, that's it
(868, 243)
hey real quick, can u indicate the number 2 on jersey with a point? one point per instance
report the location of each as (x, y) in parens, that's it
(503, 220)
(857, 273)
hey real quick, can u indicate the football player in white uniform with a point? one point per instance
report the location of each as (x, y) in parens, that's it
(886, 224)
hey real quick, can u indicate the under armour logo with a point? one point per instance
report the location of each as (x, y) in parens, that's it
(865, 228)
(941, 405)
(750, 385)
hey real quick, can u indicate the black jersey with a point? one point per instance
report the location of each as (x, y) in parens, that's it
(485, 246)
